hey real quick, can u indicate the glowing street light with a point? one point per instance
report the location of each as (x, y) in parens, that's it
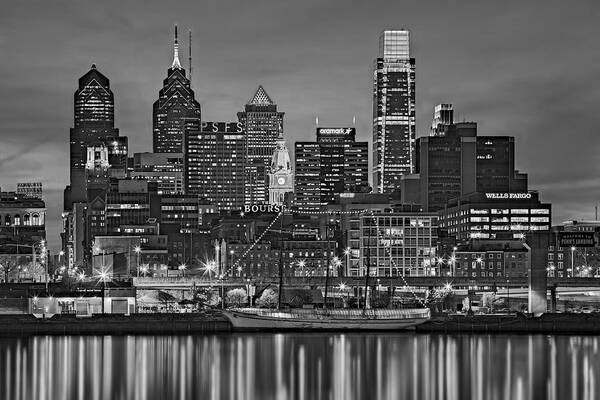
(182, 268)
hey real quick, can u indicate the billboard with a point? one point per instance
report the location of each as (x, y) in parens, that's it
(577, 239)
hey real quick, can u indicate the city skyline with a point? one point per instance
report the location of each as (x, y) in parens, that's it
(135, 57)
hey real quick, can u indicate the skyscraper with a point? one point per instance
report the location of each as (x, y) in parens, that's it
(263, 125)
(281, 177)
(214, 164)
(394, 122)
(336, 163)
(175, 108)
(94, 122)
(443, 117)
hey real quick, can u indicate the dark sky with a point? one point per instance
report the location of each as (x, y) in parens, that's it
(528, 69)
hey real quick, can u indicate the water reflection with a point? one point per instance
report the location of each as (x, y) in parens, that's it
(295, 366)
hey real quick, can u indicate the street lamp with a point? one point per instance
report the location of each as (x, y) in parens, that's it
(572, 258)
(182, 268)
(138, 250)
(222, 292)
(347, 254)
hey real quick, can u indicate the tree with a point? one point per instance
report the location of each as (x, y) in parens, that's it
(236, 297)
(8, 265)
(206, 297)
(268, 299)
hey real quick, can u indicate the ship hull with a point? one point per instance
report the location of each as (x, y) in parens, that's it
(249, 321)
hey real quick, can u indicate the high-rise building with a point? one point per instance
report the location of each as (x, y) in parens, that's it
(458, 162)
(175, 108)
(214, 164)
(263, 125)
(281, 177)
(394, 120)
(443, 116)
(335, 163)
(93, 126)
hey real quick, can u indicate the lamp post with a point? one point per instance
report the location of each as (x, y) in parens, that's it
(347, 254)
(453, 258)
(221, 277)
(138, 250)
(182, 268)
(572, 259)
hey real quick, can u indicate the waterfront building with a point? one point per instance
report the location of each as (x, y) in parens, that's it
(263, 126)
(22, 237)
(457, 162)
(336, 163)
(496, 260)
(401, 241)
(493, 215)
(281, 176)
(175, 109)
(394, 117)
(166, 169)
(214, 164)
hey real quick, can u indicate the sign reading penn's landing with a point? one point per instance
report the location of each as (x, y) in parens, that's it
(577, 239)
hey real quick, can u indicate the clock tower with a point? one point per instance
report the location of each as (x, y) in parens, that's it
(281, 177)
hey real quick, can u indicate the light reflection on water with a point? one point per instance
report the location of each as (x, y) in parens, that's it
(297, 366)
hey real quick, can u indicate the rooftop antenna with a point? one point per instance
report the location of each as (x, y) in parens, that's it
(354, 120)
(190, 54)
(317, 121)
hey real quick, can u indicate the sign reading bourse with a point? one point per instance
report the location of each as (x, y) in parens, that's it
(577, 239)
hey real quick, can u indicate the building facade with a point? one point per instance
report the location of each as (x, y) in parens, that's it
(334, 164)
(495, 216)
(166, 169)
(392, 244)
(394, 117)
(30, 189)
(263, 126)
(175, 109)
(215, 164)
(457, 162)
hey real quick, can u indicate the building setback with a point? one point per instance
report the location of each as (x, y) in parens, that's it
(214, 164)
(394, 119)
(175, 108)
(263, 126)
(335, 163)
(166, 169)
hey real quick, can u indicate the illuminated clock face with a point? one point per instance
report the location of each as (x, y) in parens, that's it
(281, 180)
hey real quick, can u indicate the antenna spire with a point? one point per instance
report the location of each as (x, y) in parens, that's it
(190, 54)
(176, 63)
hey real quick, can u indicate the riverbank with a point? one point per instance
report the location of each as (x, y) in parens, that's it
(557, 323)
(114, 324)
(215, 322)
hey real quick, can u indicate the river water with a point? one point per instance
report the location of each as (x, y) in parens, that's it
(300, 366)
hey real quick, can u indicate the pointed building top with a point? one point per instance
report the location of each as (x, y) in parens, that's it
(261, 97)
(176, 63)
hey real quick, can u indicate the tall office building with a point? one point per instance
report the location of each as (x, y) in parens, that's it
(214, 164)
(394, 121)
(263, 125)
(458, 162)
(443, 117)
(175, 108)
(335, 163)
(94, 122)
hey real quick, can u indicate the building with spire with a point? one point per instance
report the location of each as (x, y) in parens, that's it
(281, 176)
(263, 126)
(394, 120)
(175, 109)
